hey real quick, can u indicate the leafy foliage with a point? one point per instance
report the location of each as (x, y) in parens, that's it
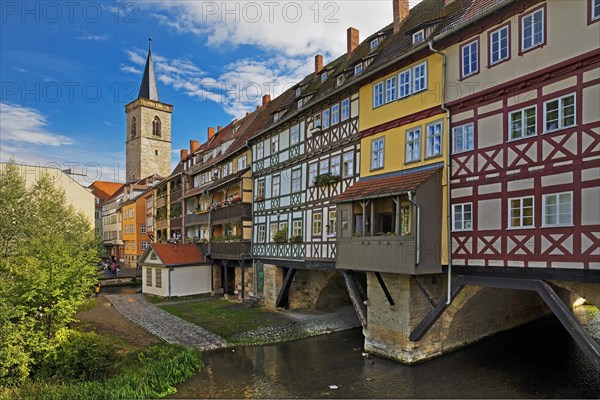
(47, 258)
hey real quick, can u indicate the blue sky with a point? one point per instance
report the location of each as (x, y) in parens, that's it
(68, 68)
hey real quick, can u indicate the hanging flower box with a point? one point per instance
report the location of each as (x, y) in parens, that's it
(325, 179)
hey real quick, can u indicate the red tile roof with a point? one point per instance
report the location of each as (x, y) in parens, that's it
(179, 254)
(103, 190)
(388, 184)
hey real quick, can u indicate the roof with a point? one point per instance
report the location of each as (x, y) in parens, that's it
(148, 89)
(103, 190)
(386, 185)
(178, 254)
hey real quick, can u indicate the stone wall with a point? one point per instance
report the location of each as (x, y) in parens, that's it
(318, 289)
(248, 281)
(272, 285)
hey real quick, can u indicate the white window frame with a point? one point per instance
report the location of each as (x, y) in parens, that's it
(560, 110)
(378, 95)
(317, 224)
(326, 118)
(332, 222)
(411, 143)
(377, 153)
(405, 83)
(149, 274)
(345, 110)
(296, 227)
(470, 58)
(324, 76)
(416, 88)
(461, 209)
(335, 114)
(465, 132)
(300, 103)
(335, 166)
(260, 151)
(521, 208)
(418, 36)
(324, 166)
(294, 135)
(296, 180)
(558, 213)
(374, 44)
(390, 89)
(522, 112)
(261, 188)
(298, 91)
(313, 172)
(348, 164)
(340, 81)
(261, 233)
(430, 140)
(242, 163)
(497, 41)
(595, 5)
(274, 144)
(275, 185)
(522, 28)
(358, 69)
(143, 229)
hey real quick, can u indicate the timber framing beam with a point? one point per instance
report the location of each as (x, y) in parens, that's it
(282, 299)
(587, 344)
(357, 301)
(385, 289)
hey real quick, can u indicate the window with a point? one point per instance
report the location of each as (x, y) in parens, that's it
(332, 222)
(296, 180)
(261, 189)
(532, 30)
(143, 229)
(418, 37)
(390, 90)
(260, 153)
(462, 138)
(358, 68)
(275, 186)
(594, 9)
(335, 114)
(326, 115)
(297, 228)
(313, 171)
(298, 91)
(558, 209)
(261, 234)
(345, 109)
(348, 167)
(273, 229)
(462, 217)
(97, 214)
(374, 43)
(377, 153)
(420, 77)
(340, 80)
(324, 76)
(521, 212)
(133, 127)
(434, 139)
(300, 103)
(469, 58)
(324, 167)
(559, 113)
(274, 144)
(378, 95)
(156, 127)
(241, 163)
(405, 223)
(405, 84)
(522, 123)
(335, 165)
(145, 245)
(149, 275)
(276, 117)
(413, 145)
(295, 134)
(317, 121)
(317, 224)
(499, 45)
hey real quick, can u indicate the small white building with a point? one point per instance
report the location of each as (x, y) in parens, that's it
(172, 270)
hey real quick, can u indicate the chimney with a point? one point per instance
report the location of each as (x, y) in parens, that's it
(183, 153)
(318, 63)
(401, 11)
(266, 99)
(194, 145)
(211, 133)
(353, 39)
(219, 128)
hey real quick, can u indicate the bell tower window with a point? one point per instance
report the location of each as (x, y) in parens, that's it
(133, 127)
(156, 127)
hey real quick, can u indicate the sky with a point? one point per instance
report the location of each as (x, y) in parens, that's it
(68, 68)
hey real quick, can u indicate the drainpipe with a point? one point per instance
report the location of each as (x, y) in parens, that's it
(448, 173)
(255, 280)
(417, 229)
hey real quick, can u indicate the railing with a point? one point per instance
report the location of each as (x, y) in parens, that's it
(162, 224)
(289, 251)
(392, 254)
(232, 213)
(196, 219)
(176, 223)
(160, 202)
(230, 250)
(175, 195)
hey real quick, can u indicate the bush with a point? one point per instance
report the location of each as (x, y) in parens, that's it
(79, 356)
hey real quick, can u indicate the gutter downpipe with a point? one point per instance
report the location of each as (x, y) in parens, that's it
(418, 228)
(252, 215)
(448, 173)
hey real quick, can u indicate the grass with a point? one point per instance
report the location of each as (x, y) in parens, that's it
(163, 300)
(222, 317)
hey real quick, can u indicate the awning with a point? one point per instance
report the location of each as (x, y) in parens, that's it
(391, 184)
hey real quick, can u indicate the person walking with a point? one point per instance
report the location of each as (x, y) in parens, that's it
(114, 269)
(97, 289)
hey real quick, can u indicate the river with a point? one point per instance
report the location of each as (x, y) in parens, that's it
(539, 360)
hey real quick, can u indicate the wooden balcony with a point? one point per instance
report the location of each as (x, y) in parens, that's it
(392, 254)
(176, 195)
(232, 213)
(161, 224)
(196, 219)
(279, 251)
(176, 223)
(230, 250)
(160, 202)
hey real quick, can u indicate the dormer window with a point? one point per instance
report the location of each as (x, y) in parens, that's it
(358, 68)
(275, 117)
(374, 43)
(298, 91)
(418, 37)
(340, 80)
(324, 76)
(300, 103)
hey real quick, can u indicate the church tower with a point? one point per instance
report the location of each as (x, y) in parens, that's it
(148, 143)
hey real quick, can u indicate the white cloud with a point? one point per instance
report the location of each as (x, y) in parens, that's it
(28, 125)
(131, 69)
(92, 37)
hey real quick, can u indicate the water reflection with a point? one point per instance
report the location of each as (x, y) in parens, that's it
(539, 360)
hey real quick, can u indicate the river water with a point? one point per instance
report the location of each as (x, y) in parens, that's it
(538, 360)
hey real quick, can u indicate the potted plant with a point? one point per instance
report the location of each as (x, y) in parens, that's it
(280, 236)
(296, 239)
(325, 179)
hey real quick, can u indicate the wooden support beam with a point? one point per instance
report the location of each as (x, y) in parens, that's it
(359, 287)
(357, 302)
(282, 299)
(385, 289)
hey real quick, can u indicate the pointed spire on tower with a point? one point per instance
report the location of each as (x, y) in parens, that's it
(148, 88)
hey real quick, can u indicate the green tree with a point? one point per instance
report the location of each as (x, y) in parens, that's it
(47, 269)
